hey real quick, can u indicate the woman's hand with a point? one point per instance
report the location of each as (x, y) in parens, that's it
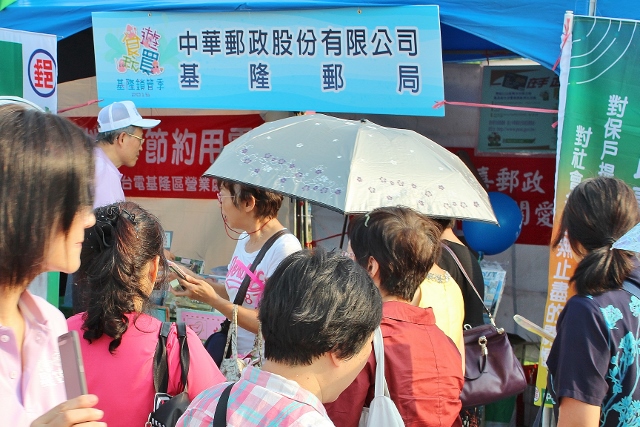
(198, 290)
(79, 411)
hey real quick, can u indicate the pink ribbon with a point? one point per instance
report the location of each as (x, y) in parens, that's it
(79, 105)
(502, 107)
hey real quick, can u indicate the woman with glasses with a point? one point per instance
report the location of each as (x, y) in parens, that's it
(251, 213)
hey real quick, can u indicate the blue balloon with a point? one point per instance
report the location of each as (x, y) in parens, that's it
(491, 239)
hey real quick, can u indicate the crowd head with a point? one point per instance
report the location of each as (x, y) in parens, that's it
(267, 203)
(46, 181)
(598, 212)
(404, 243)
(317, 302)
(122, 257)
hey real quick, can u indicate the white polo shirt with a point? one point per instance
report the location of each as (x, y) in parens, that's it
(108, 185)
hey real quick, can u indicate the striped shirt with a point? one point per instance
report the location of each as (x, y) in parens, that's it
(259, 398)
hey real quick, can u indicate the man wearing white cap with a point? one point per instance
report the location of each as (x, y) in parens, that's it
(119, 142)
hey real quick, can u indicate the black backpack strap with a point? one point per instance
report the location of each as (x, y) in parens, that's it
(220, 416)
(160, 364)
(185, 359)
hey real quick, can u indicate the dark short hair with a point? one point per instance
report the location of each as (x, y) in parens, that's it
(405, 243)
(445, 223)
(111, 135)
(268, 203)
(598, 212)
(316, 302)
(46, 178)
(115, 251)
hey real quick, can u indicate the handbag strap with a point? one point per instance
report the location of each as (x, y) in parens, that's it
(466, 276)
(242, 291)
(231, 346)
(160, 362)
(381, 388)
(220, 416)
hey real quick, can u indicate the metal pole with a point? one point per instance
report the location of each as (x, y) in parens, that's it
(344, 230)
(592, 7)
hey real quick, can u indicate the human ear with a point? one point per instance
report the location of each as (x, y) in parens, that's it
(154, 267)
(373, 267)
(250, 204)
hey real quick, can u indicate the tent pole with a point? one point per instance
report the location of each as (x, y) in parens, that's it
(592, 7)
(344, 230)
(295, 213)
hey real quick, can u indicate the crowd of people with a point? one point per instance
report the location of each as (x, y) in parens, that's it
(316, 311)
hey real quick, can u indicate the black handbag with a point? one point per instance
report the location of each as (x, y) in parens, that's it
(168, 409)
(217, 341)
(492, 370)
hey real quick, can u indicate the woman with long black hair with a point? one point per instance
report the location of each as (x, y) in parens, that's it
(593, 363)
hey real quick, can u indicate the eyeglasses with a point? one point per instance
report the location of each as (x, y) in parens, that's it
(137, 137)
(220, 197)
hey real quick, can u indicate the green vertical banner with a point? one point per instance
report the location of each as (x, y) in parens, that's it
(599, 128)
(11, 68)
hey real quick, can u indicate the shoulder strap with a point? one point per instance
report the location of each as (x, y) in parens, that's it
(631, 288)
(220, 416)
(160, 364)
(381, 388)
(185, 359)
(466, 276)
(242, 291)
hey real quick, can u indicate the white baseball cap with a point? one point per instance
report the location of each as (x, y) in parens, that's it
(120, 115)
(20, 101)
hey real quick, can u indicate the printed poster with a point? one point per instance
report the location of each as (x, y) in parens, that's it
(383, 60)
(510, 131)
(600, 130)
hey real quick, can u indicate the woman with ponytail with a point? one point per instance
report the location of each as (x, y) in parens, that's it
(594, 361)
(122, 260)
(250, 213)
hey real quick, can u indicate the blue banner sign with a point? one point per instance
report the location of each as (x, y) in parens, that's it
(382, 60)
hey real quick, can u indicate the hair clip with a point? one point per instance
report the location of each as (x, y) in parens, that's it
(131, 217)
(367, 218)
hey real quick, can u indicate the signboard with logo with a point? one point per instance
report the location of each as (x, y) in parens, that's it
(177, 152)
(510, 131)
(29, 67)
(385, 60)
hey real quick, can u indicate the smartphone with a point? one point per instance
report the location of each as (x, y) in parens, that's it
(175, 284)
(177, 270)
(72, 366)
